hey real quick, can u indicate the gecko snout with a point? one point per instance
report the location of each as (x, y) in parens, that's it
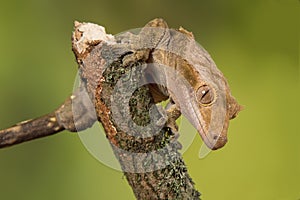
(217, 141)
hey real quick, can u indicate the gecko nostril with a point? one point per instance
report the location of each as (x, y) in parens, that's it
(215, 137)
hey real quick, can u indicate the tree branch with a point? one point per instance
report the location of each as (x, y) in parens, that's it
(73, 115)
(138, 131)
(29, 130)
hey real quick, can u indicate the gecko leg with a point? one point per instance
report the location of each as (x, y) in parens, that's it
(173, 113)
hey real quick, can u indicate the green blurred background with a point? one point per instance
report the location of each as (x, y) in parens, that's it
(254, 43)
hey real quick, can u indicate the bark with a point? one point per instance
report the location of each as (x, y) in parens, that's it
(30, 129)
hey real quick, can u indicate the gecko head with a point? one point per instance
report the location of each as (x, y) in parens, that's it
(216, 108)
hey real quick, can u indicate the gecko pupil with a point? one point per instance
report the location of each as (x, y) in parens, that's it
(205, 95)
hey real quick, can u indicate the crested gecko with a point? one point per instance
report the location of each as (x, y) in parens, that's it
(183, 71)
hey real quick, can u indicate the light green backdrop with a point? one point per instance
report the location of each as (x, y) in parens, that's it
(254, 43)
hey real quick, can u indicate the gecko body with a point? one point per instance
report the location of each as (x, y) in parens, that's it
(188, 76)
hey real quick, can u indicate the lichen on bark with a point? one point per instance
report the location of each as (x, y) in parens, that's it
(150, 160)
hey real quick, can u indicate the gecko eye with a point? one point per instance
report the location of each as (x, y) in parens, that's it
(205, 95)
